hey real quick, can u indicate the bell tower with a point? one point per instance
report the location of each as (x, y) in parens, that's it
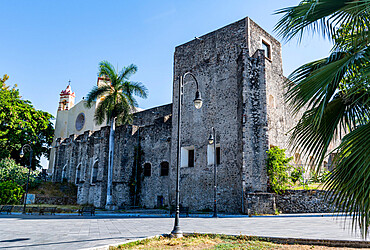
(67, 98)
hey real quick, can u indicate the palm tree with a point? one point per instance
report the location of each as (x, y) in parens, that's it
(335, 93)
(116, 104)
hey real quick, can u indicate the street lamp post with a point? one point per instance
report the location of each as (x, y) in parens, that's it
(27, 147)
(212, 140)
(176, 232)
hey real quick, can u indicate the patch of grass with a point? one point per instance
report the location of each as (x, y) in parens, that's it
(215, 241)
(311, 186)
(199, 241)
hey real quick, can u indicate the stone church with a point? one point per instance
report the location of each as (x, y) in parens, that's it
(239, 70)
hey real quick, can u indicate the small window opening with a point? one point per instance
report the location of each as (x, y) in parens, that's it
(165, 166)
(210, 154)
(191, 158)
(187, 156)
(267, 48)
(218, 155)
(147, 169)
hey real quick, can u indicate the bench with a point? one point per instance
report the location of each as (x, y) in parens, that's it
(90, 210)
(7, 209)
(50, 210)
(33, 210)
(183, 210)
(41, 210)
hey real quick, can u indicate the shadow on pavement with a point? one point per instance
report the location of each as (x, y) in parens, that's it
(66, 242)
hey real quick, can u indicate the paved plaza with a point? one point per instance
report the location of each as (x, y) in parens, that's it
(76, 232)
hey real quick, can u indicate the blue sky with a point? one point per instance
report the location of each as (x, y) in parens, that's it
(46, 43)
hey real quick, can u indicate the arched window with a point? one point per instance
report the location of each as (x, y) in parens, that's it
(64, 173)
(165, 166)
(94, 172)
(147, 169)
(78, 173)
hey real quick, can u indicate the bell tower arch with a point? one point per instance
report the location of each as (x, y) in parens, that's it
(67, 98)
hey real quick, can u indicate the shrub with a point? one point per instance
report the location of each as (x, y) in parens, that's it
(297, 174)
(320, 177)
(11, 171)
(10, 192)
(277, 169)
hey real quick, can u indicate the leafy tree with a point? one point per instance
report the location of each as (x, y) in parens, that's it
(116, 103)
(21, 123)
(2, 80)
(11, 171)
(10, 192)
(277, 169)
(335, 92)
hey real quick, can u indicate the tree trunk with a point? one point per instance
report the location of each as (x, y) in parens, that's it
(109, 203)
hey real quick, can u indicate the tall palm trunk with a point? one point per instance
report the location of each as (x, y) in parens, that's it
(109, 203)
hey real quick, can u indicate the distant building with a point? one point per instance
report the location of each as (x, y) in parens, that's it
(72, 119)
(239, 70)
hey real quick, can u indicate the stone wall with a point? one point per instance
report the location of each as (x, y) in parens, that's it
(260, 203)
(303, 201)
(55, 200)
(86, 150)
(292, 201)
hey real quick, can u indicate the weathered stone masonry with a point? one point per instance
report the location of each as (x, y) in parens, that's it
(242, 91)
(92, 148)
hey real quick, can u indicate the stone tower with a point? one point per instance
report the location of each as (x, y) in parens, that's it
(239, 68)
(67, 99)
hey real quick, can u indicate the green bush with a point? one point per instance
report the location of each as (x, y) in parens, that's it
(10, 193)
(320, 177)
(11, 171)
(277, 169)
(297, 174)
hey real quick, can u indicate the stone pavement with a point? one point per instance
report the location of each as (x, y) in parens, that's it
(76, 232)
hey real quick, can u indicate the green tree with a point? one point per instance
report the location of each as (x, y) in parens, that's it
(11, 171)
(21, 123)
(334, 91)
(3, 80)
(277, 169)
(116, 104)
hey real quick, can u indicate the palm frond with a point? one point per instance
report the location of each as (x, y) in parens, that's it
(118, 93)
(101, 113)
(350, 181)
(95, 93)
(138, 89)
(127, 72)
(323, 16)
(107, 69)
(335, 91)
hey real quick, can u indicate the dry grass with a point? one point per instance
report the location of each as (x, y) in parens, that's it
(312, 186)
(49, 189)
(211, 241)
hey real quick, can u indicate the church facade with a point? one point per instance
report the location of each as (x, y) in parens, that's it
(239, 71)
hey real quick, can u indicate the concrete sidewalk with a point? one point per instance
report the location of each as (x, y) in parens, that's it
(76, 232)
